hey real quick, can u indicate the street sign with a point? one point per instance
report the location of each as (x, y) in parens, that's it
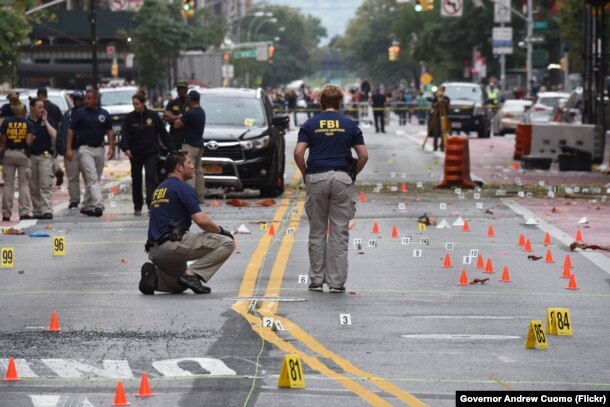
(452, 8)
(502, 12)
(262, 52)
(540, 25)
(539, 39)
(110, 49)
(502, 40)
(228, 71)
(246, 53)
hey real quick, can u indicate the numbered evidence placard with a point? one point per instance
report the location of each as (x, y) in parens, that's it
(558, 321)
(274, 324)
(536, 336)
(59, 246)
(7, 260)
(291, 373)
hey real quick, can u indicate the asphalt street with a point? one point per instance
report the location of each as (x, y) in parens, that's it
(414, 337)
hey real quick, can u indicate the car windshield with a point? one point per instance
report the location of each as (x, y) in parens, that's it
(456, 92)
(60, 101)
(552, 101)
(225, 111)
(117, 97)
(516, 105)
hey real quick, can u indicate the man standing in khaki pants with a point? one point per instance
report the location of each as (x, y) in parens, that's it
(329, 181)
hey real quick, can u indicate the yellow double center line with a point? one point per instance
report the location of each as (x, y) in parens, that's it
(316, 349)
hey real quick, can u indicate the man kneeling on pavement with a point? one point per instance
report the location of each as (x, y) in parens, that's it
(170, 244)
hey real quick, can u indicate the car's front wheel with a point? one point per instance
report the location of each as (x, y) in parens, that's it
(275, 187)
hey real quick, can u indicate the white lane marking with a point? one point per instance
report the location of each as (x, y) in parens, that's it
(60, 400)
(460, 336)
(21, 365)
(462, 317)
(598, 259)
(170, 368)
(74, 369)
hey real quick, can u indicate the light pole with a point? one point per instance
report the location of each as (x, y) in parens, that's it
(271, 20)
(257, 14)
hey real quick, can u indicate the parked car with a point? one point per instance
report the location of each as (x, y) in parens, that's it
(469, 109)
(117, 101)
(544, 106)
(57, 96)
(244, 144)
(510, 115)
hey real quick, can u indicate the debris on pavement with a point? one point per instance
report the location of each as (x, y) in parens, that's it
(584, 246)
(479, 280)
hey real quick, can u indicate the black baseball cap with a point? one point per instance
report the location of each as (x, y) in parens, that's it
(78, 94)
(194, 95)
(182, 84)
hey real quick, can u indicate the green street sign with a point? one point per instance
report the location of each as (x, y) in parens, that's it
(247, 53)
(541, 25)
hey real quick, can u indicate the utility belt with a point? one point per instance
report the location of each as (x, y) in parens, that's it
(150, 244)
(45, 154)
(175, 235)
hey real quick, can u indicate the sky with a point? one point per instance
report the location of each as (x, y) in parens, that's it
(334, 14)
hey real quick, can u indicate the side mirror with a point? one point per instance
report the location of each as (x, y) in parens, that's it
(280, 120)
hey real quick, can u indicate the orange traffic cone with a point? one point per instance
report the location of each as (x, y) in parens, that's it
(463, 278)
(549, 257)
(119, 396)
(528, 246)
(505, 275)
(447, 262)
(572, 283)
(578, 237)
(490, 231)
(11, 372)
(144, 387)
(566, 270)
(362, 197)
(547, 239)
(115, 189)
(403, 187)
(521, 240)
(568, 260)
(54, 325)
(394, 232)
(480, 263)
(272, 230)
(489, 268)
(375, 228)
(465, 228)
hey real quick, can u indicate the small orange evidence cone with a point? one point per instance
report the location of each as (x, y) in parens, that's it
(447, 262)
(115, 189)
(489, 268)
(549, 257)
(490, 231)
(568, 260)
(119, 396)
(547, 239)
(521, 240)
(572, 283)
(566, 270)
(375, 228)
(144, 387)
(528, 246)
(403, 187)
(480, 263)
(578, 237)
(394, 232)
(11, 372)
(463, 278)
(505, 275)
(362, 197)
(54, 325)
(272, 230)
(465, 228)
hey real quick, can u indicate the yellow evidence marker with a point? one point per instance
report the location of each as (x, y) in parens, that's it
(291, 373)
(558, 321)
(8, 258)
(536, 336)
(421, 227)
(59, 246)
(263, 226)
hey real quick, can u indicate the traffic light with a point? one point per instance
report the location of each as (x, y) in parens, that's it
(427, 5)
(270, 52)
(393, 52)
(418, 7)
(188, 8)
(225, 58)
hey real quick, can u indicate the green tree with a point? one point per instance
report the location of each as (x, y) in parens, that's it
(569, 20)
(207, 29)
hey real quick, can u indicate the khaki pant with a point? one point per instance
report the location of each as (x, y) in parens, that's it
(197, 182)
(41, 184)
(15, 161)
(329, 204)
(209, 250)
(72, 172)
(91, 161)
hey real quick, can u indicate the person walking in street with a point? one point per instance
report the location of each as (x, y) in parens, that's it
(192, 124)
(141, 132)
(439, 125)
(72, 166)
(170, 244)
(329, 177)
(174, 110)
(16, 137)
(41, 176)
(91, 124)
(54, 113)
(378, 100)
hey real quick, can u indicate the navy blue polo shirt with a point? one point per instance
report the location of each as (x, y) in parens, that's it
(173, 200)
(330, 136)
(42, 141)
(6, 111)
(194, 123)
(91, 126)
(16, 130)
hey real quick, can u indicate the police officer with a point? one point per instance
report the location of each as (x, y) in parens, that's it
(141, 131)
(330, 137)
(378, 101)
(91, 123)
(72, 166)
(192, 123)
(170, 244)
(439, 125)
(174, 109)
(41, 178)
(16, 136)
(53, 112)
